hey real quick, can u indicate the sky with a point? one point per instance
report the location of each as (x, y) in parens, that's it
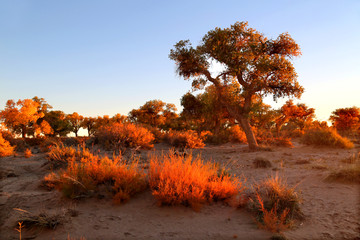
(106, 57)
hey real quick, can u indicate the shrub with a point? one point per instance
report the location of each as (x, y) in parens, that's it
(237, 134)
(186, 139)
(175, 180)
(5, 148)
(119, 136)
(260, 162)
(275, 204)
(59, 155)
(27, 153)
(46, 145)
(349, 174)
(85, 172)
(41, 220)
(326, 137)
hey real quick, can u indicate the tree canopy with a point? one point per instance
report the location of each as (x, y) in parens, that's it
(260, 66)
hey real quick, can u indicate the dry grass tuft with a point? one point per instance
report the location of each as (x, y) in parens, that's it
(5, 148)
(275, 204)
(352, 159)
(326, 137)
(27, 153)
(260, 162)
(349, 174)
(176, 180)
(41, 220)
(86, 172)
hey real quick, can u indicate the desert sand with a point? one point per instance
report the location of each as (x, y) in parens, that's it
(332, 210)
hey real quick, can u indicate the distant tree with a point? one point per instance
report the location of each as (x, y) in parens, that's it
(299, 114)
(19, 117)
(58, 122)
(261, 66)
(89, 124)
(346, 120)
(75, 121)
(118, 118)
(155, 113)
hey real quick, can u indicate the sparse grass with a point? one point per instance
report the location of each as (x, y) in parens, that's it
(260, 162)
(27, 153)
(175, 180)
(84, 175)
(352, 159)
(275, 204)
(326, 137)
(5, 148)
(41, 220)
(348, 174)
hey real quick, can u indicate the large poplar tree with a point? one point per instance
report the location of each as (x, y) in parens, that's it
(261, 66)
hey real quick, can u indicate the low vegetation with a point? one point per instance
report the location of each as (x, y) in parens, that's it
(176, 180)
(186, 139)
(27, 153)
(275, 204)
(86, 172)
(326, 137)
(260, 162)
(5, 148)
(120, 136)
(348, 174)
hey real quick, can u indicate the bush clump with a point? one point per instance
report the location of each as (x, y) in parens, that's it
(275, 204)
(260, 162)
(84, 175)
(176, 180)
(326, 137)
(186, 139)
(119, 136)
(5, 148)
(349, 174)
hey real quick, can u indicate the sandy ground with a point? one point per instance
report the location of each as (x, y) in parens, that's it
(332, 210)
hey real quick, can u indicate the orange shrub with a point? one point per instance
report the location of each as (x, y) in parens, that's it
(175, 180)
(5, 148)
(237, 134)
(326, 137)
(27, 153)
(84, 175)
(186, 139)
(123, 135)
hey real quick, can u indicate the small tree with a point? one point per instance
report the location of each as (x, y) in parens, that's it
(89, 124)
(75, 121)
(346, 120)
(58, 122)
(261, 66)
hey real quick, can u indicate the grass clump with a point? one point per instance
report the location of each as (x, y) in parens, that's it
(326, 137)
(260, 162)
(275, 204)
(41, 220)
(84, 176)
(176, 180)
(5, 148)
(349, 174)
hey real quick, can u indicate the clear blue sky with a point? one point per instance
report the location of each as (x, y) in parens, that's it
(107, 57)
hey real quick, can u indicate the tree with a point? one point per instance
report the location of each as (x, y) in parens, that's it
(75, 121)
(261, 66)
(58, 122)
(155, 113)
(19, 117)
(89, 124)
(299, 114)
(346, 120)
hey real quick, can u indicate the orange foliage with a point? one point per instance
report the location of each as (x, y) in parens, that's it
(186, 139)
(237, 134)
(27, 153)
(346, 119)
(124, 135)
(175, 180)
(326, 137)
(85, 172)
(5, 148)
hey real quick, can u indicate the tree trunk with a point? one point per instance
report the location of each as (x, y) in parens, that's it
(250, 136)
